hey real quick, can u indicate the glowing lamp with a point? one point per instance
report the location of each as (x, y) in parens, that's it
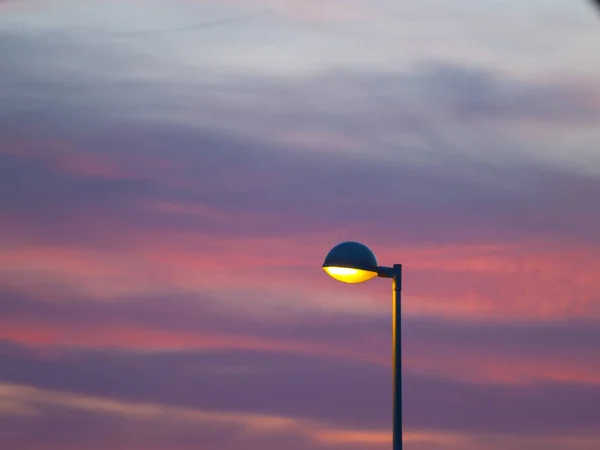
(353, 262)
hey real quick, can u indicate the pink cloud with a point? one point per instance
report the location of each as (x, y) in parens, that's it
(44, 335)
(530, 280)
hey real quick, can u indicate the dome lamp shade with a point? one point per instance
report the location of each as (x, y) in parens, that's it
(351, 262)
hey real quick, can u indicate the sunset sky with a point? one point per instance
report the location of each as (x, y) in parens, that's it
(173, 172)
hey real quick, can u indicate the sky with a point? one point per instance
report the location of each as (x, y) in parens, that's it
(172, 174)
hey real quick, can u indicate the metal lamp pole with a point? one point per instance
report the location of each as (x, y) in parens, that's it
(397, 355)
(395, 273)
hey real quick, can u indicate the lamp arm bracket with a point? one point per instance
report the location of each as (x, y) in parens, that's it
(385, 272)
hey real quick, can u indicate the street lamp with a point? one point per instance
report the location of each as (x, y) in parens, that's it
(353, 262)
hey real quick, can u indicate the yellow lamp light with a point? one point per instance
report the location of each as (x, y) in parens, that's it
(350, 275)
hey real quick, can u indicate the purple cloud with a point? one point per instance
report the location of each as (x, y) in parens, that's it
(119, 171)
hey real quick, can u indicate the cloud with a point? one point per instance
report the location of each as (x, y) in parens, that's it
(155, 424)
(305, 389)
(176, 174)
(174, 245)
(97, 423)
(475, 351)
(165, 206)
(248, 180)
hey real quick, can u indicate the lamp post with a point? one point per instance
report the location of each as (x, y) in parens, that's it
(353, 262)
